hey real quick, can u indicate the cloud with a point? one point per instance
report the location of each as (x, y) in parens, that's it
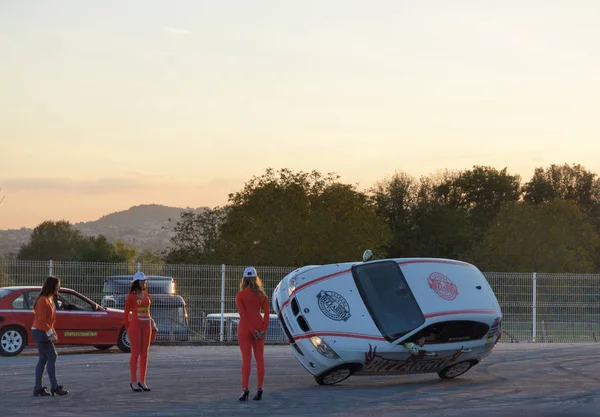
(3, 37)
(176, 32)
(90, 186)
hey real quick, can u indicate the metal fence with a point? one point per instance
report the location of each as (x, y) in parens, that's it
(200, 305)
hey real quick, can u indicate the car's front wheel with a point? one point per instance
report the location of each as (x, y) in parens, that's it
(12, 341)
(337, 374)
(123, 342)
(455, 370)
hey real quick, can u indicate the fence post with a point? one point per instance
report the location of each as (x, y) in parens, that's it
(222, 302)
(50, 274)
(534, 330)
(138, 267)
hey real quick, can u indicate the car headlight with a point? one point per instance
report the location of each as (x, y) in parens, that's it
(291, 286)
(323, 348)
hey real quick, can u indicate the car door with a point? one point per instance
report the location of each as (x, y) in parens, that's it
(445, 343)
(79, 321)
(22, 312)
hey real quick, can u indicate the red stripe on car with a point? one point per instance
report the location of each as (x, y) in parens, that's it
(340, 334)
(453, 312)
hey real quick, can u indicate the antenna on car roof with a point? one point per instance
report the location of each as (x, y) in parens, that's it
(367, 255)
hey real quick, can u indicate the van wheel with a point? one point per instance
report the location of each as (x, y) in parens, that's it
(12, 341)
(123, 342)
(103, 347)
(337, 374)
(455, 370)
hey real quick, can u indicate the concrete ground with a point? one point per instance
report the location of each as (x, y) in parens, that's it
(515, 380)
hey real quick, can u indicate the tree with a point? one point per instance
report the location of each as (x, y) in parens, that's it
(58, 241)
(197, 237)
(555, 236)
(567, 182)
(395, 200)
(564, 182)
(481, 192)
(288, 218)
(123, 253)
(150, 258)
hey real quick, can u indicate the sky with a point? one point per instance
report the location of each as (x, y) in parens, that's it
(109, 104)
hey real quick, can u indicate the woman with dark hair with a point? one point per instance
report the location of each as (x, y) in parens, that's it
(139, 330)
(252, 328)
(45, 336)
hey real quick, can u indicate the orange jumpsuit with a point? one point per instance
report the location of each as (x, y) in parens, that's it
(139, 330)
(249, 305)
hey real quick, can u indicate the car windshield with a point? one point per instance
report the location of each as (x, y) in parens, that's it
(388, 298)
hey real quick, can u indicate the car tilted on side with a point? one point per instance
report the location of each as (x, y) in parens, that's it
(389, 316)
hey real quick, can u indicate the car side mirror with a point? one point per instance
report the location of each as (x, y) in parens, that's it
(367, 255)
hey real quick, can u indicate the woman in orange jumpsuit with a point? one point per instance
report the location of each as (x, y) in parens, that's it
(252, 328)
(139, 330)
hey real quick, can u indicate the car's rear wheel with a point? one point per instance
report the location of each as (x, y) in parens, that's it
(123, 342)
(12, 341)
(103, 347)
(337, 374)
(455, 370)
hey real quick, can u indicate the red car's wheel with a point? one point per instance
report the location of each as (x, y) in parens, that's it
(12, 340)
(123, 341)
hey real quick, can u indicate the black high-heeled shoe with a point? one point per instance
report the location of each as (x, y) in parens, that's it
(245, 394)
(59, 391)
(41, 392)
(258, 395)
(133, 388)
(143, 388)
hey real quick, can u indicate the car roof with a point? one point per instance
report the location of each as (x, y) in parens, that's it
(25, 287)
(29, 287)
(399, 260)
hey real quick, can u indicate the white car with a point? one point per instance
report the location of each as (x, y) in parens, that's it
(390, 316)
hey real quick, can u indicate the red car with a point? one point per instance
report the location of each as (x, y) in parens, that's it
(79, 321)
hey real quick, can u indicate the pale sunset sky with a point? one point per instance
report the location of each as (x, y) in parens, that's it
(112, 103)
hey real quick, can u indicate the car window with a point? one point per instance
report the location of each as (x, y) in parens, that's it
(30, 297)
(451, 332)
(4, 293)
(19, 302)
(388, 298)
(69, 301)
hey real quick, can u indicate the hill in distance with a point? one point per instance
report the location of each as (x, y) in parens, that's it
(145, 226)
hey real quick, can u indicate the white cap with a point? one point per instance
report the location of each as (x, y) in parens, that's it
(249, 272)
(139, 276)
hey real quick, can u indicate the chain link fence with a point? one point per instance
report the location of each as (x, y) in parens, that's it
(197, 302)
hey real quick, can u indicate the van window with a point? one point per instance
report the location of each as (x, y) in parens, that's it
(154, 285)
(451, 332)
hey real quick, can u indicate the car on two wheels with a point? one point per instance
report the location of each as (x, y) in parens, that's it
(389, 316)
(79, 321)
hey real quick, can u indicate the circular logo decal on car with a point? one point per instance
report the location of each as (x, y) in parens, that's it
(443, 286)
(333, 305)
